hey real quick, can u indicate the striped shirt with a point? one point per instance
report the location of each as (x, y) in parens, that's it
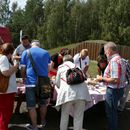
(116, 69)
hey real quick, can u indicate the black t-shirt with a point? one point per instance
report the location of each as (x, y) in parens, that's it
(57, 61)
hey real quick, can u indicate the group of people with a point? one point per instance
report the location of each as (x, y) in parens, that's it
(14, 60)
(34, 62)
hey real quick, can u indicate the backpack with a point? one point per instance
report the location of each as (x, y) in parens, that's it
(127, 70)
(74, 76)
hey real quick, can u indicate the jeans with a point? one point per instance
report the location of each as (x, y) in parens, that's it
(112, 98)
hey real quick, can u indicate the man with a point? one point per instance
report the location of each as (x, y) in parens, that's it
(81, 60)
(115, 79)
(123, 100)
(25, 44)
(41, 59)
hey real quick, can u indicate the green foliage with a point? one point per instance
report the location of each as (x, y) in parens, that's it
(4, 12)
(54, 50)
(16, 24)
(60, 22)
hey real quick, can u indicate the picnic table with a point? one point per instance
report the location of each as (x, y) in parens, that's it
(96, 91)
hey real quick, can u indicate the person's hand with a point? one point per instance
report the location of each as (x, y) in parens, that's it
(16, 58)
(99, 78)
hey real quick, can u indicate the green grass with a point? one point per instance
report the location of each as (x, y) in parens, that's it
(92, 69)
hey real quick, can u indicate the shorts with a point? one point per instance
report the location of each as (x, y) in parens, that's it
(32, 99)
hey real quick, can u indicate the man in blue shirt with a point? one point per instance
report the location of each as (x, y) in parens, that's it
(41, 60)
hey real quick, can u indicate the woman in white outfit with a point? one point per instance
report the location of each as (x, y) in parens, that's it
(69, 96)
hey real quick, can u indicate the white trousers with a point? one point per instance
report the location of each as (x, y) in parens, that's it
(124, 98)
(78, 107)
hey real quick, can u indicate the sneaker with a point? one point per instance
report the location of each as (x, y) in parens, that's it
(30, 127)
(43, 124)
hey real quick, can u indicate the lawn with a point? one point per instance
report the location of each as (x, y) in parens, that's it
(93, 69)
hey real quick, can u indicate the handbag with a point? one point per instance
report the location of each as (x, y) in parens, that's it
(74, 76)
(43, 86)
(4, 82)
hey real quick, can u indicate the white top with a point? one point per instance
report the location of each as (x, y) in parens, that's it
(83, 62)
(67, 92)
(19, 50)
(4, 65)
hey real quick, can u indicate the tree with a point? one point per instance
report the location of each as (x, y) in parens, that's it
(16, 24)
(4, 12)
(33, 17)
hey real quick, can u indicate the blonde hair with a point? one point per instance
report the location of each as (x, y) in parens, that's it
(84, 52)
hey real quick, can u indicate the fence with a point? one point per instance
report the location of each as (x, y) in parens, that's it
(94, 48)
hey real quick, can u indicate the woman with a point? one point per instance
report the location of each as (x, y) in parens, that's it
(70, 95)
(7, 98)
(102, 64)
(56, 60)
(81, 60)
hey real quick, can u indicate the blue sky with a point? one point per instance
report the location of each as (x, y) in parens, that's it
(21, 3)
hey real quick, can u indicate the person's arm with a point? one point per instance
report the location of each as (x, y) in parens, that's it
(51, 67)
(85, 69)
(107, 80)
(23, 63)
(58, 79)
(23, 73)
(15, 56)
(10, 71)
(87, 65)
(15, 53)
(114, 74)
(6, 68)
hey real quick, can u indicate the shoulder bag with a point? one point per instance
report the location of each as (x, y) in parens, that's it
(4, 82)
(74, 76)
(43, 86)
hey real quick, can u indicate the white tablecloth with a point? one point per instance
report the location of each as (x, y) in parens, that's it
(97, 93)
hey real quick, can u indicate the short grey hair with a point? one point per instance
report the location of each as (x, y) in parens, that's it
(68, 58)
(35, 43)
(111, 46)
